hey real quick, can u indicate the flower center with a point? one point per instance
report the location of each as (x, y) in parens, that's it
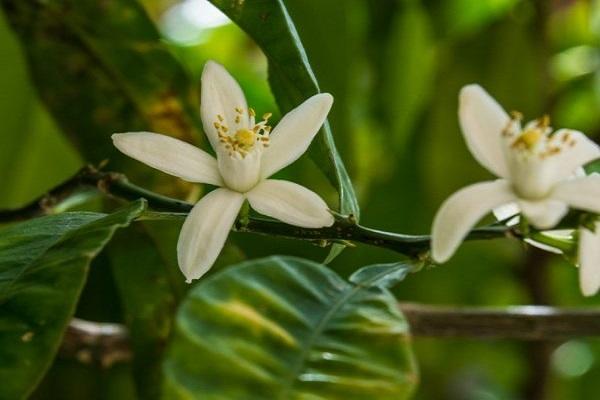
(245, 137)
(528, 139)
(528, 152)
(537, 138)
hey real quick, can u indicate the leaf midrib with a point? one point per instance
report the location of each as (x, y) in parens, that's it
(323, 322)
(6, 289)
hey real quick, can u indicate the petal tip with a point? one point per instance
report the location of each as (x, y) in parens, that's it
(213, 68)
(439, 256)
(326, 97)
(589, 281)
(471, 89)
(469, 93)
(588, 289)
(328, 220)
(191, 272)
(323, 100)
(117, 136)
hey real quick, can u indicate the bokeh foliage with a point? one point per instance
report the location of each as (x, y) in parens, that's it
(395, 68)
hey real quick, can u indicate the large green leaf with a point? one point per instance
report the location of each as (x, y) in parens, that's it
(287, 328)
(29, 141)
(291, 77)
(43, 265)
(148, 303)
(101, 67)
(337, 61)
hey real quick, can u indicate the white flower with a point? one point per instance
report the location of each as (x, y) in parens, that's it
(538, 173)
(248, 153)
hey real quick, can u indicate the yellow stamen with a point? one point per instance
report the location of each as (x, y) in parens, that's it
(515, 115)
(543, 122)
(243, 140)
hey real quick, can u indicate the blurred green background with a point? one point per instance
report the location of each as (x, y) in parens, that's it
(395, 69)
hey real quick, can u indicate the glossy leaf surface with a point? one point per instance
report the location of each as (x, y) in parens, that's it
(43, 266)
(287, 328)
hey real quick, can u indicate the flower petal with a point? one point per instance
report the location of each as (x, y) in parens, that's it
(292, 136)
(581, 193)
(482, 121)
(461, 211)
(169, 155)
(221, 95)
(576, 151)
(205, 230)
(589, 260)
(543, 214)
(506, 211)
(534, 177)
(290, 203)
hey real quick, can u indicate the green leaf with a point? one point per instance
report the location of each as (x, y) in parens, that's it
(30, 142)
(287, 328)
(407, 74)
(464, 17)
(292, 79)
(148, 302)
(43, 265)
(101, 67)
(382, 275)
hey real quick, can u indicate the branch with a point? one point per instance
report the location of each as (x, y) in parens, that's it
(518, 322)
(96, 343)
(105, 344)
(344, 230)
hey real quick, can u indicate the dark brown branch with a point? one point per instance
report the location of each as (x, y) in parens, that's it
(46, 203)
(518, 323)
(96, 343)
(105, 344)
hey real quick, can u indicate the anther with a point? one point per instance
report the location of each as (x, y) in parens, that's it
(544, 121)
(516, 116)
